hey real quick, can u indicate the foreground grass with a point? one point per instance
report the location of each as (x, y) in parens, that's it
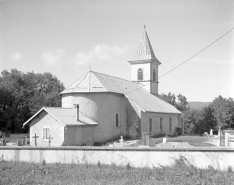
(180, 173)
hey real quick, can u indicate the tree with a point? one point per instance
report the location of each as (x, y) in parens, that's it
(21, 95)
(181, 104)
(223, 111)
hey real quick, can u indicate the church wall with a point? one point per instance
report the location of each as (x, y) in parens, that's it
(102, 108)
(78, 135)
(56, 130)
(133, 120)
(176, 122)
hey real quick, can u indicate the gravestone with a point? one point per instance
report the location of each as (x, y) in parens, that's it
(211, 132)
(118, 144)
(222, 138)
(2, 142)
(89, 143)
(145, 139)
(164, 140)
(18, 143)
(219, 132)
(121, 139)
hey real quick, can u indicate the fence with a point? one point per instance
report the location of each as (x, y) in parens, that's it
(219, 158)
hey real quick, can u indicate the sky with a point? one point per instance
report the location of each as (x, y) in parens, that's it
(65, 38)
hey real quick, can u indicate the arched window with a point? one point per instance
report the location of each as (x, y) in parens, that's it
(117, 120)
(140, 74)
(161, 124)
(170, 125)
(154, 75)
(150, 125)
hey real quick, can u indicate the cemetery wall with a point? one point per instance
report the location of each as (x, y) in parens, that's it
(219, 158)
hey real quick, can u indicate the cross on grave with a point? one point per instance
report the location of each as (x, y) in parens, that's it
(35, 137)
(50, 139)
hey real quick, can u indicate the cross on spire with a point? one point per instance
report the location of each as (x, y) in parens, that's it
(144, 26)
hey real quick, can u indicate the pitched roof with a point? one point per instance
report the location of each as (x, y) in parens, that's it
(97, 82)
(65, 116)
(145, 50)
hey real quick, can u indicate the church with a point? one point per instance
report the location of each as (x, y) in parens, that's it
(99, 108)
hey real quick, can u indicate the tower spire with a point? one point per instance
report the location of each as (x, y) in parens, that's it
(144, 65)
(145, 50)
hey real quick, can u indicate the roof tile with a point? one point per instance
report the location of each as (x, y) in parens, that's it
(133, 91)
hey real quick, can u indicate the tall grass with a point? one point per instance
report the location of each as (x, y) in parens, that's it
(182, 172)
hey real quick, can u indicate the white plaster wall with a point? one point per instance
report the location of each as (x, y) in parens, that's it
(146, 71)
(219, 158)
(78, 135)
(154, 84)
(102, 108)
(156, 123)
(56, 130)
(133, 120)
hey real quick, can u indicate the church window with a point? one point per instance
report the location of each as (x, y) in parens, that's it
(161, 124)
(117, 120)
(170, 125)
(46, 132)
(140, 74)
(150, 125)
(154, 75)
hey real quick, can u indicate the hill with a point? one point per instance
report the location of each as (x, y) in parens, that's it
(198, 105)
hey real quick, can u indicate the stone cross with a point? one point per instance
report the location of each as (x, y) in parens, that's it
(50, 139)
(121, 139)
(35, 137)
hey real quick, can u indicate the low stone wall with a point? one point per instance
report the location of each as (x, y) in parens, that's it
(219, 158)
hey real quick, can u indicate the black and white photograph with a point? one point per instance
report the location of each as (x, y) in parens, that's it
(116, 92)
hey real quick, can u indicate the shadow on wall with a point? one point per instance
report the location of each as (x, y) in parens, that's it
(133, 122)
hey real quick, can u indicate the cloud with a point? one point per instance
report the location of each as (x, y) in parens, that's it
(53, 58)
(82, 58)
(16, 56)
(101, 52)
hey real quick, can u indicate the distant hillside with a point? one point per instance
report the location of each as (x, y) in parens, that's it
(198, 105)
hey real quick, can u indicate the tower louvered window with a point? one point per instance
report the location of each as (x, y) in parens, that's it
(140, 74)
(154, 75)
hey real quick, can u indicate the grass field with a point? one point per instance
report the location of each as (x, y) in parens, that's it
(180, 173)
(194, 140)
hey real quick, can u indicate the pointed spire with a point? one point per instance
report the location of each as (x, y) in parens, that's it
(145, 50)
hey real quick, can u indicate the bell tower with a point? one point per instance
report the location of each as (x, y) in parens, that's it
(144, 66)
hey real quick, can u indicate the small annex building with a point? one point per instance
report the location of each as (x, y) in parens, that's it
(109, 107)
(58, 126)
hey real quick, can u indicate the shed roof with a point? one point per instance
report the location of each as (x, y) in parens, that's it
(65, 116)
(97, 82)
